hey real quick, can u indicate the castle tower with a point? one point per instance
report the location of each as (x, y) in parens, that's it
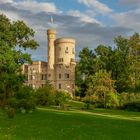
(51, 34)
(65, 64)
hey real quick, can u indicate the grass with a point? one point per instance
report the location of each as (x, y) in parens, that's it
(51, 124)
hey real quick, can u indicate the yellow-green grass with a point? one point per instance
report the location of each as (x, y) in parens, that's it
(51, 124)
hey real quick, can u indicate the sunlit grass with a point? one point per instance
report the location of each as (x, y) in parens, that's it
(51, 124)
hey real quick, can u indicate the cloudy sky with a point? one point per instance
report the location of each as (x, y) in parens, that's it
(90, 22)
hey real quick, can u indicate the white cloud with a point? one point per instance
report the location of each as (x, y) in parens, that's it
(130, 19)
(97, 6)
(6, 1)
(11, 15)
(83, 17)
(35, 6)
(130, 3)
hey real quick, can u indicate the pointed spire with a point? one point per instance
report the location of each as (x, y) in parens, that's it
(52, 21)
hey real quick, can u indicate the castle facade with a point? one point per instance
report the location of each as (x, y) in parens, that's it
(60, 68)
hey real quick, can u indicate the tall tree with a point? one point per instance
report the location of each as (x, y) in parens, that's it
(84, 68)
(13, 34)
(134, 45)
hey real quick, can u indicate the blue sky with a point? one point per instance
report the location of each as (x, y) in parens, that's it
(90, 22)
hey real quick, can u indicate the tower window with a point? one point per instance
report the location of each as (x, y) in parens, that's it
(42, 77)
(59, 76)
(66, 75)
(73, 86)
(30, 77)
(59, 86)
(60, 59)
(72, 50)
(66, 51)
(72, 60)
(45, 76)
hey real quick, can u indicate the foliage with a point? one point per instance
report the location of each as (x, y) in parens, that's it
(83, 69)
(23, 99)
(101, 90)
(112, 100)
(45, 95)
(62, 98)
(132, 106)
(122, 61)
(123, 64)
(128, 97)
(14, 37)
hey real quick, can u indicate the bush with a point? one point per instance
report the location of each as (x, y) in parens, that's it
(23, 98)
(87, 106)
(132, 106)
(45, 95)
(61, 98)
(129, 97)
(111, 100)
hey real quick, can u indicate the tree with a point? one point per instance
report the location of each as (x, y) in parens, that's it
(13, 34)
(134, 45)
(121, 64)
(84, 68)
(101, 88)
(61, 98)
(104, 56)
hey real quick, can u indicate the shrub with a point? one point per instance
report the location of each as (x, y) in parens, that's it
(23, 98)
(111, 100)
(45, 95)
(87, 105)
(132, 106)
(61, 98)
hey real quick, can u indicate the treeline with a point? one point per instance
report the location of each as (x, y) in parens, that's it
(110, 76)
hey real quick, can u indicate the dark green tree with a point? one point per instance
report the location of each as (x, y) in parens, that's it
(84, 68)
(13, 34)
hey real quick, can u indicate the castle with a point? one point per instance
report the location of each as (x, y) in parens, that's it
(60, 68)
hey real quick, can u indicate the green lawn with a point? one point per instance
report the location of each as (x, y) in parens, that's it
(51, 124)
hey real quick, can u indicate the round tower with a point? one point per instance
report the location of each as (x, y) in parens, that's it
(65, 64)
(51, 34)
(64, 51)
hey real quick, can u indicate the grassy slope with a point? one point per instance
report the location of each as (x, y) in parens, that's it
(46, 124)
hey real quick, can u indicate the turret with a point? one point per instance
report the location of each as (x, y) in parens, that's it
(51, 33)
